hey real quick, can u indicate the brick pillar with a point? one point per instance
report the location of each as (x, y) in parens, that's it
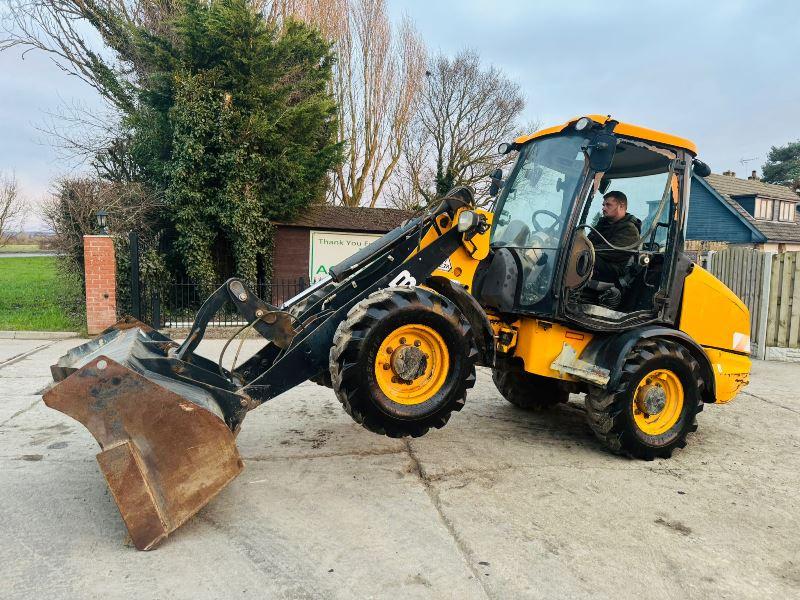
(101, 282)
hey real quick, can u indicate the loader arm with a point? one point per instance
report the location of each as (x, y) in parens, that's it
(308, 353)
(298, 346)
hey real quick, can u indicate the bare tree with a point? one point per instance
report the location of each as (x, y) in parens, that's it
(59, 29)
(11, 209)
(466, 111)
(377, 84)
(71, 212)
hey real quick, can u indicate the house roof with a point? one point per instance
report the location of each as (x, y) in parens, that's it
(733, 186)
(729, 188)
(350, 218)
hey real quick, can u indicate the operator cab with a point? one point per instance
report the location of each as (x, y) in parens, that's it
(545, 241)
(645, 175)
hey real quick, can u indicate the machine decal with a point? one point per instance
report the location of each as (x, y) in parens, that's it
(445, 266)
(404, 278)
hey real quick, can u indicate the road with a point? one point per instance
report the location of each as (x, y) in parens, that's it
(499, 504)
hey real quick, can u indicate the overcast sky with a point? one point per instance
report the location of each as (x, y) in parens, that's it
(721, 73)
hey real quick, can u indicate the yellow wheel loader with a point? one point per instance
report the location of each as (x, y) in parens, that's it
(398, 328)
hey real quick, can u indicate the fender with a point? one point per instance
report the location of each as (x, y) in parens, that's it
(610, 352)
(472, 311)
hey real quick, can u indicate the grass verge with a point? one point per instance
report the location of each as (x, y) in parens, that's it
(19, 248)
(36, 296)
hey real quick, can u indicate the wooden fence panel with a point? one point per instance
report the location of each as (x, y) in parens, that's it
(756, 266)
(741, 270)
(787, 273)
(794, 312)
(774, 295)
(783, 318)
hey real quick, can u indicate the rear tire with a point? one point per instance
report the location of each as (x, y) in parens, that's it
(619, 419)
(366, 353)
(526, 390)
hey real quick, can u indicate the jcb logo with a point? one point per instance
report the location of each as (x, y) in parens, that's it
(403, 278)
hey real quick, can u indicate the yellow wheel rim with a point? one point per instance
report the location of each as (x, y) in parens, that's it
(422, 348)
(658, 402)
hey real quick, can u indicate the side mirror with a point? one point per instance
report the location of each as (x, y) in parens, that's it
(601, 151)
(700, 168)
(497, 182)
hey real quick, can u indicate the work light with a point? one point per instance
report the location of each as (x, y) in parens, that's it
(582, 123)
(467, 220)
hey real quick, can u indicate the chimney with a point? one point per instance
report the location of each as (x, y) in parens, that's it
(753, 177)
(729, 173)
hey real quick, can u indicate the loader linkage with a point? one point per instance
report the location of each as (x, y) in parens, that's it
(166, 418)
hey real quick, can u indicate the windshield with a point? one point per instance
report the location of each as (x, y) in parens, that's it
(535, 204)
(539, 192)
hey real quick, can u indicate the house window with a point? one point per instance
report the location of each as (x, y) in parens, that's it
(787, 211)
(775, 210)
(764, 209)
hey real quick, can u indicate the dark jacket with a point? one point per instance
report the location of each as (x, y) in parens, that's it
(622, 233)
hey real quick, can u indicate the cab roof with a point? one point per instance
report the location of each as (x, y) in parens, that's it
(626, 129)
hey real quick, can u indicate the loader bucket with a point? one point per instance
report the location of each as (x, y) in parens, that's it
(166, 447)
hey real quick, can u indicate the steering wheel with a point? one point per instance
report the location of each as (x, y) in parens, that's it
(548, 230)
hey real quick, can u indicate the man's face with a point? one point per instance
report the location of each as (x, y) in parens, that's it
(612, 209)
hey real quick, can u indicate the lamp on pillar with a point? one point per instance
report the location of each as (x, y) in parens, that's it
(101, 221)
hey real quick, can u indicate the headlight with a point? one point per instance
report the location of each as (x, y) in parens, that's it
(582, 123)
(505, 148)
(467, 220)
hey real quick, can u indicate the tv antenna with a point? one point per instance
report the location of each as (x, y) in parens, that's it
(744, 161)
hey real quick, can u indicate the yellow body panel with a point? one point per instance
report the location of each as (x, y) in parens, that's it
(731, 373)
(719, 321)
(539, 343)
(712, 314)
(625, 129)
(445, 224)
(464, 261)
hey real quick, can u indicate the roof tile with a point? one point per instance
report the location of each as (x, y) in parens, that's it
(733, 186)
(350, 218)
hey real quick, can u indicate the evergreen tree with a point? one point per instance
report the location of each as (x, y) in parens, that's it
(235, 123)
(783, 165)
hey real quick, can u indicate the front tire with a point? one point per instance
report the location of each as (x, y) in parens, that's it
(402, 361)
(655, 405)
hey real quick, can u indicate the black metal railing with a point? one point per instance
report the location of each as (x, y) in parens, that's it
(183, 298)
(175, 303)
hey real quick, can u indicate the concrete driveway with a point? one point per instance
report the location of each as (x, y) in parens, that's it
(499, 504)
